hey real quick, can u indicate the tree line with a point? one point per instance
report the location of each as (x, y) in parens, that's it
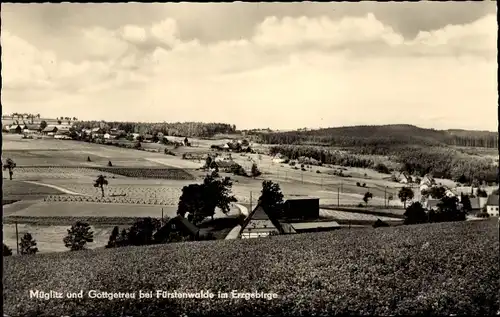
(192, 129)
(443, 162)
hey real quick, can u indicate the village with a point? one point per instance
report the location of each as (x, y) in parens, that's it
(304, 213)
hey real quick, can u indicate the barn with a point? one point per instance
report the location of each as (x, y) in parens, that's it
(301, 207)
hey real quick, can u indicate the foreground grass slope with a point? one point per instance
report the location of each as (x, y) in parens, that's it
(447, 268)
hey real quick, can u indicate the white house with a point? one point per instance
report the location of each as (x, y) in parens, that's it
(492, 205)
(428, 180)
(109, 136)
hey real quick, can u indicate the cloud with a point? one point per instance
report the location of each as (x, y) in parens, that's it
(292, 72)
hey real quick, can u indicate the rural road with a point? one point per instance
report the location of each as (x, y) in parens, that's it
(233, 234)
(57, 187)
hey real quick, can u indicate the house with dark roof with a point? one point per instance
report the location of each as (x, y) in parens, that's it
(492, 205)
(179, 225)
(261, 224)
(50, 129)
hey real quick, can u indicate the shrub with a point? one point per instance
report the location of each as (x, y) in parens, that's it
(381, 168)
(358, 184)
(6, 250)
(318, 171)
(28, 244)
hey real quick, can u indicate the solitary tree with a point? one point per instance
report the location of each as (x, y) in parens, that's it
(405, 194)
(43, 124)
(100, 182)
(88, 159)
(110, 164)
(367, 197)
(28, 244)
(78, 235)
(414, 214)
(200, 200)
(6, 250)
(271, 198)
(9, 165)
(255, 171)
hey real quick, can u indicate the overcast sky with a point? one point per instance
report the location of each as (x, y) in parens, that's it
(256, 65)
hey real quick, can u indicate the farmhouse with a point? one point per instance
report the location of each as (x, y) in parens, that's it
(404, 178)
(478, 203)
(50, 130)
(178, 225)
(428, 180)
(109, 136)
(492, 205)
(260, 224)
(15, 129)
(32, 128)
(300, 207)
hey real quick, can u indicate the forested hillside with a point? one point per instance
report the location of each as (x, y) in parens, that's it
(383, 136)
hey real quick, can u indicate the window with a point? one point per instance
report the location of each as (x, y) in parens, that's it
(173, 226)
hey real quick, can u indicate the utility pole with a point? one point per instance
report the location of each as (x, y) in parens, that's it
(17, 240)
(338, 197)
(385, 196)
(162, 216)
(341, 187)
(250, 202)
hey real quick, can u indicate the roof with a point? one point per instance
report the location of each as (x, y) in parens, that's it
(49, 128)
(492, 200)
(33, 127)
(261, 218)
(162, 233)
(431, 203)
(474, 203)
(313, 225)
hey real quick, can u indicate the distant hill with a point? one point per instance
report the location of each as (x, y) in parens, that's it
(384, 135)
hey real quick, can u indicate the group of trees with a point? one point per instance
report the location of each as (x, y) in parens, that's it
(200, 200)
(440, 161)
(22, 116)
(447, 209)
(192, 129)
(26, 246)
(322, 154)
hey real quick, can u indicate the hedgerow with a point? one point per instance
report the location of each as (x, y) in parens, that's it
(437, 269)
